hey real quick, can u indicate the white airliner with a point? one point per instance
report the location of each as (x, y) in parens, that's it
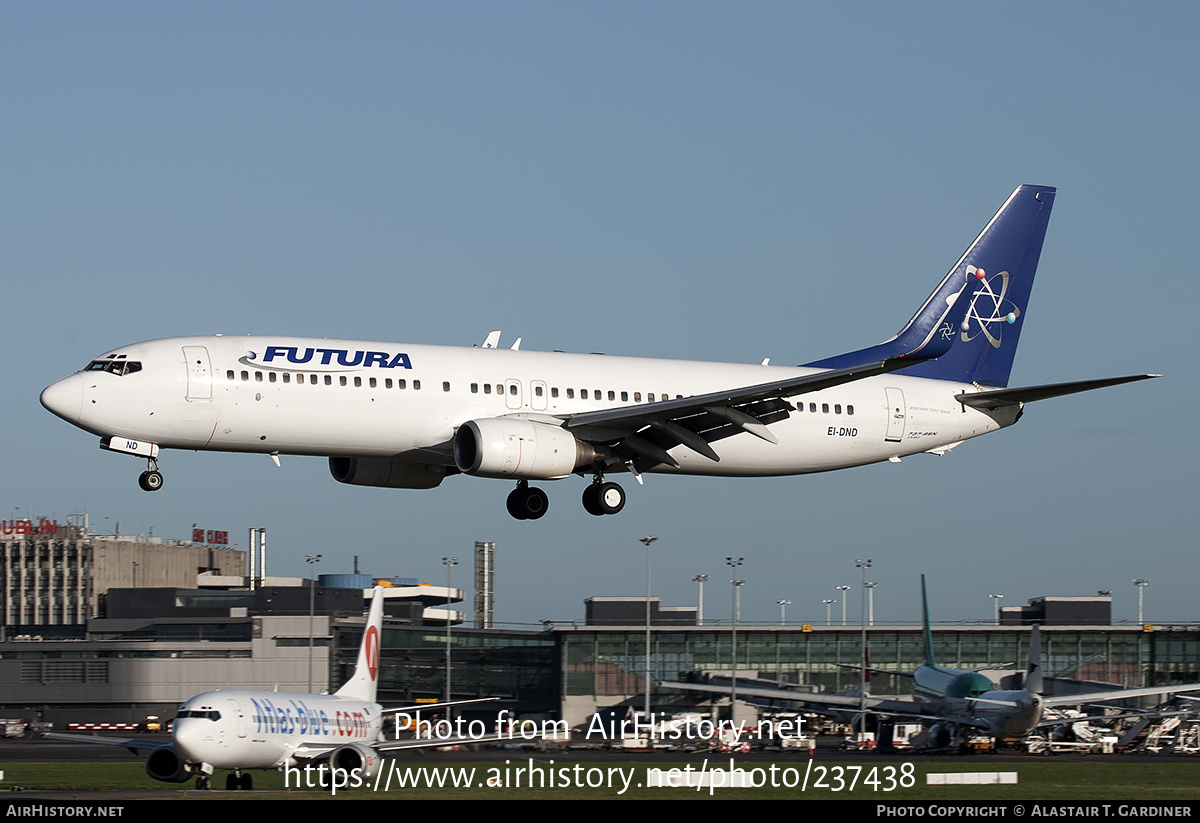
(406, 416)
(240, 730)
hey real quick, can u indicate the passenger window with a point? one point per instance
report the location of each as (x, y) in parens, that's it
(487, 388)
(374, 383)
(312, 380)
(387, 383)
(624, 397)
(612, 395)
(258, 377)
(513, 389)
(570, 394)
(474, 388)
(446, 385)
(583, 394)
(416, 385)
(650, 397)
(637, 397)
(328, 380)
(358, 382)
(271, 377)
(342, 379)
(849, 410)
(402, 384)
(287, 377)
(812, 407)
(825, 408)
(837, 408)
(554, 391)
(537, 390)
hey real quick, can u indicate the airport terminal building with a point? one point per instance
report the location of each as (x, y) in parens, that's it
(103, 629)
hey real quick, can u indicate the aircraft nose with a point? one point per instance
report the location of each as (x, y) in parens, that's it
(65, 398)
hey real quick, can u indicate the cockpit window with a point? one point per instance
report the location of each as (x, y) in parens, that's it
(117, 367)
(208, 714)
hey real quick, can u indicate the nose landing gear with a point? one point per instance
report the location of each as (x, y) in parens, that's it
(151, 480)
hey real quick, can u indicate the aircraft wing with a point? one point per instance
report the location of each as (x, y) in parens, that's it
(133, 745)
(646, 431)
(1010, 397)
(1080, 698)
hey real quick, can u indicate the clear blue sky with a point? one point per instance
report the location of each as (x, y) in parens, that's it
(702, 180)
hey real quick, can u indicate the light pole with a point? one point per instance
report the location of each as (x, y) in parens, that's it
(843, 590)
(862, 565)
(700, 578)
(449, 563)
(871, 603)
(312, 560)
(646, 541)
(828, 605)
(783, 604)
(736, 585)
(996, 607)
(1141, 584)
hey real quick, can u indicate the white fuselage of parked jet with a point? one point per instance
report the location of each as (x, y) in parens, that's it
(238, 729)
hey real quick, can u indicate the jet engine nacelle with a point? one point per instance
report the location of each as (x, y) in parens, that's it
(164, 763)
(513, 447)
(354, 765)
(391, 473)
(941, 735)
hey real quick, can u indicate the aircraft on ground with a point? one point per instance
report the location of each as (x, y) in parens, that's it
(953, 703)
(240, 730)
(408, 416)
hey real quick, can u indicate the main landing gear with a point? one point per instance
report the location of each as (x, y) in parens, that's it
(151, 480)
(527, 502)
(602, 497)
(235, 781)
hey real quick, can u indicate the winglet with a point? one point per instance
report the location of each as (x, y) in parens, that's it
(362, 684)
(1033, 674)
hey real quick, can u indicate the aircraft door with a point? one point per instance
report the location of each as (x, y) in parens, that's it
(512, 393)
(895, 415)
(537, 396)
(199, 374)
(240, 717)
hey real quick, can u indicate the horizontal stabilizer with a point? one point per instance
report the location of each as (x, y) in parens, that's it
(1011, 397)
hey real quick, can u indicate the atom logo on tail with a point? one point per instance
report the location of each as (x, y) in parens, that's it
(988, 307)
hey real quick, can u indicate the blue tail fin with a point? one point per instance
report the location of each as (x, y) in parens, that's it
(998, 270)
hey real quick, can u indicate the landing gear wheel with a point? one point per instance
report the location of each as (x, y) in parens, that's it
(203, 783)
(231, 782)
(591, 499)
(526, 503)
(246, 783)
(611, 498)
(151, 481)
